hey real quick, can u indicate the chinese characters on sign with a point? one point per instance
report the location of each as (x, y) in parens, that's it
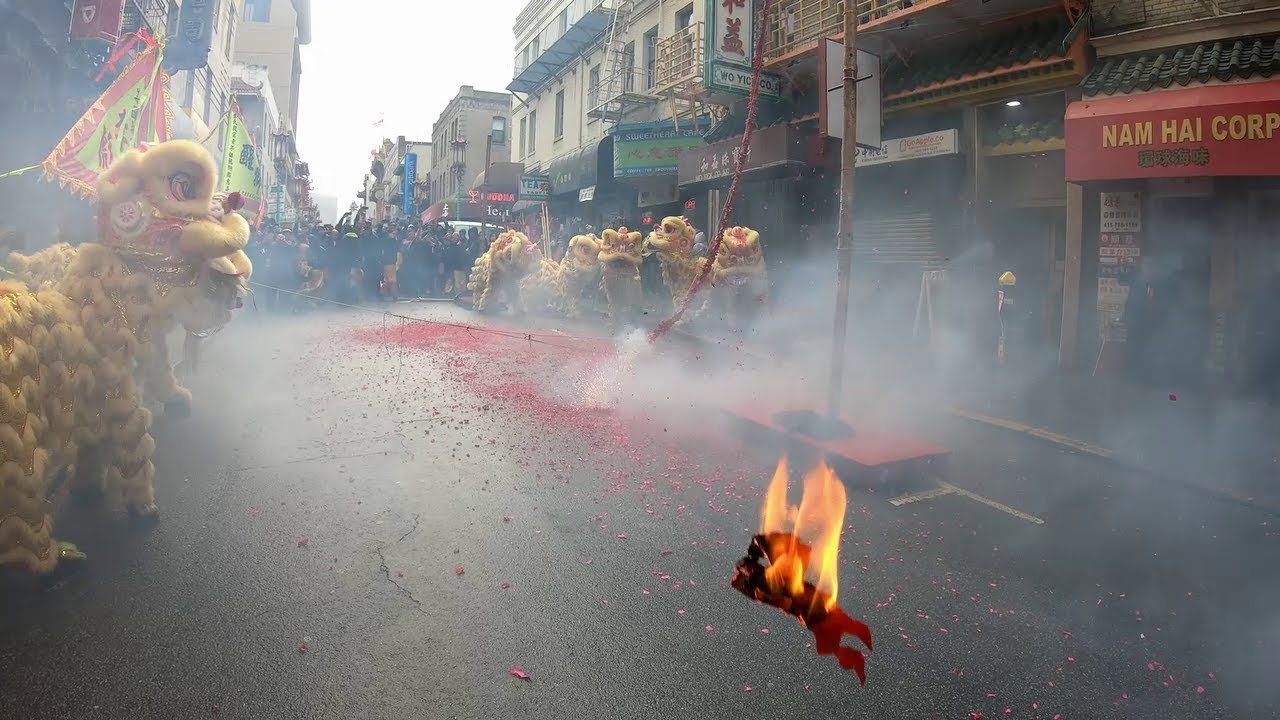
(188, 48)
(730, 45)
(1121, 212)
(97, 20)
(1119, 250)
(1212, 131)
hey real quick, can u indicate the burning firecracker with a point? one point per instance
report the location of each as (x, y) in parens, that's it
(782, 582)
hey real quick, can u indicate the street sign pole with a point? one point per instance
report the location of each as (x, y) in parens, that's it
(844, 233)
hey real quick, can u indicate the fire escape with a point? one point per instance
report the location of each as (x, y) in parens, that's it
(617, 96)
(678, 70)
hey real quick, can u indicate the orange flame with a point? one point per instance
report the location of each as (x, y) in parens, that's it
(817, 522)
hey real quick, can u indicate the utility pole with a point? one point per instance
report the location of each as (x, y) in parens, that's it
(844, 233)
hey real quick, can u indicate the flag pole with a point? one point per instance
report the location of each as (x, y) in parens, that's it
(844, 233)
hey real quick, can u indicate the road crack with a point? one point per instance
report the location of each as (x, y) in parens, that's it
(412, 530)
(386, 573)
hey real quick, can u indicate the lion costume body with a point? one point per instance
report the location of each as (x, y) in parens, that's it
(739, 277)
(620, 256)
(560, 286)
(497, 274)
(672, 240)
(74, 411)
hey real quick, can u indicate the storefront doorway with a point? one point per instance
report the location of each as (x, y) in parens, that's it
(1168, 306)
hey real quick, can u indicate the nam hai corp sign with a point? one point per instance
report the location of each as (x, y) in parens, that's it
(730, 45)
(1218, 130)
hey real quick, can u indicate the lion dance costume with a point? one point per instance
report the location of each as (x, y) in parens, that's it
(169, 255)
(498, 272)
(672, 240)
(560, 286)
(739, 275)
(620, 257)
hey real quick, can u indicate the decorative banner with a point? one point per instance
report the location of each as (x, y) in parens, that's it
(97, 20)
(653, 150)
(241, 166)
(730, 44)
(410, 181)
(189, 48)
(131, 112)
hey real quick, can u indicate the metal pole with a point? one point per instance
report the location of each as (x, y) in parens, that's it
(844, 233)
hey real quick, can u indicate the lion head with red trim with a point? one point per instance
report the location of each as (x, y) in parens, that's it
(621, 247)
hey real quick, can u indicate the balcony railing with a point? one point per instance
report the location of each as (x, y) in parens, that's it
(679, 59)
(797, 23)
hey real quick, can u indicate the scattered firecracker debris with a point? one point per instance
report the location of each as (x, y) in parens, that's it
(622, 536)
(399, 573)
(214, 709)
(304, 541)
(506, 518)
(666, 551)
(505, 585)
(458, 570)
(1174, 397)
(302, 648)
(975, 716)
(520, 673)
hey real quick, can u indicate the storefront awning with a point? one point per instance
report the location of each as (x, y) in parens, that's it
(576, 170)
(1215, 130)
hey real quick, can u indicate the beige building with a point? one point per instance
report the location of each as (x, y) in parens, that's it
(272, 35)
(472, 127)
(584, 68)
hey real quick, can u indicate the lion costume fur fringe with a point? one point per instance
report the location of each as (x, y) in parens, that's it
(620, 257)
(73, 411)
(559, 286)
(498, 272)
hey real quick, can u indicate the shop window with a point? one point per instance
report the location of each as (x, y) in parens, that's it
(650, 58)
(560, 115)
(684, 18)
(258, 11)
(533, 132)
(524, 133)
(593, 87)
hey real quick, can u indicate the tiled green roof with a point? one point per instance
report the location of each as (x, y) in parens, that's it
(768, 113)
(1041, 40)
(1222, 60)
(1049, 129)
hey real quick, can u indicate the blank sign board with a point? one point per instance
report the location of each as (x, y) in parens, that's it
(831, 103)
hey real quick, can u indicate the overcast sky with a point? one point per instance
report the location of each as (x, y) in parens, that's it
(403, 59)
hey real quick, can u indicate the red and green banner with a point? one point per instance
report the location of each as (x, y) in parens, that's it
(132, 112)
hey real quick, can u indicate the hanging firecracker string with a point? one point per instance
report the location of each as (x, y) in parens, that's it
(753, 101)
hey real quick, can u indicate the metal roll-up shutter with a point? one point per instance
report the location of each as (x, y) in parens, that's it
(902, 239)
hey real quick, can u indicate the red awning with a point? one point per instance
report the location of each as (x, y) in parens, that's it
(1213, 130)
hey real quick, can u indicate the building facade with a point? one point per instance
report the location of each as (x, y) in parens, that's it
(587, 71)
(272, 36)
(471, 131)
(387, 187)
(1171, 151)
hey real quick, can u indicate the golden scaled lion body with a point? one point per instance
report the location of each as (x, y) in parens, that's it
(621, 253)
(497, 274)
(559, 286)
(71, 349)
(739, 276)
(672, 240)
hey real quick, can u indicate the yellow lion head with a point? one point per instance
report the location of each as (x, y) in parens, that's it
(740, 252)
(674, 235)
(584, 251)
(160, 200)
(512, 251)
(621, 246)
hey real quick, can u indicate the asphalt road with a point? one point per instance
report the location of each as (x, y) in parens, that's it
(372, 518)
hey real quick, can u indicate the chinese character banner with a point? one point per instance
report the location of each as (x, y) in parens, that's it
(241, 166)
(130, 113)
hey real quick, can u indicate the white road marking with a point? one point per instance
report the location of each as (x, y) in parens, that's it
(923, 495)
(992, 503)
